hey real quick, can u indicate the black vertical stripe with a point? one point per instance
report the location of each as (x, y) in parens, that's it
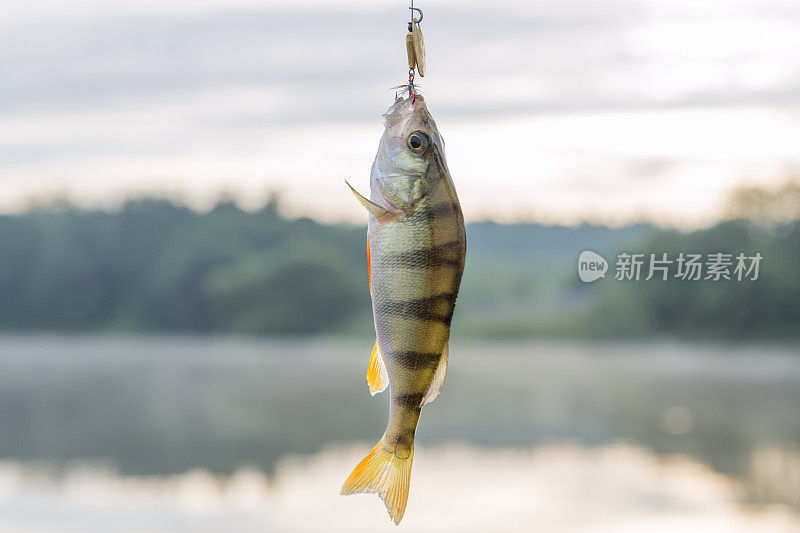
(410, 401)
(440, 210)
(414, 360)
(422, 308)
(446, 254)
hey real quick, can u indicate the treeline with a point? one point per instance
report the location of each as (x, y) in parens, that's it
(153, 265)
(726, 309)
(762, 221)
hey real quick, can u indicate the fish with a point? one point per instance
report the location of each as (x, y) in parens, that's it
(416, 250)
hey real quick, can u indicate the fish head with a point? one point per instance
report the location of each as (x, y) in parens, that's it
(410, 140)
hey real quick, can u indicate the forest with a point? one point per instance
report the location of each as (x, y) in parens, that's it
(156, 265)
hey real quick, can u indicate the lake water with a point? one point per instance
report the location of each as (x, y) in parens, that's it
(146, 434)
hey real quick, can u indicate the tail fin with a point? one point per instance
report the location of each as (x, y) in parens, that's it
(386, 474)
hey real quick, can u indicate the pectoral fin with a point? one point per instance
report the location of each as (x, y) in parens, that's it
(371, 206)
(377, 377)
(438, 378)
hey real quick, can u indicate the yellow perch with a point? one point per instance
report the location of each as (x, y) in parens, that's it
(416, 249)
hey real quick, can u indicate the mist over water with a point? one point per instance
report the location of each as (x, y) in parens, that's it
(211, 433)
(459, 487)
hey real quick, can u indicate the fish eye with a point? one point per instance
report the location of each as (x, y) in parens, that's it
(418, 141)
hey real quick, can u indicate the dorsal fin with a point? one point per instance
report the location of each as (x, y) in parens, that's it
(438, 378)
(369, 266)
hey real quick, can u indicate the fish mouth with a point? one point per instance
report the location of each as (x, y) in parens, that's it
(402, 108)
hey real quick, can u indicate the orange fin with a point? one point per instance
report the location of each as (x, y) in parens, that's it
(383, 473)
(377, 377)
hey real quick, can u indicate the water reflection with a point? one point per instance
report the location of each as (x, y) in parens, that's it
(722, 419)
(459, 488)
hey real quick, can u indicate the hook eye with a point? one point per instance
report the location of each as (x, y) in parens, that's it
(418, 10)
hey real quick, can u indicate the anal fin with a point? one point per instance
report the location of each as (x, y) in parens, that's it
(377, 377)
(437, 382)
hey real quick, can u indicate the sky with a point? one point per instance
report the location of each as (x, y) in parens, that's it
(561, 112)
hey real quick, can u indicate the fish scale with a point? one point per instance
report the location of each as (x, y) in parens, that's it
(416, 252)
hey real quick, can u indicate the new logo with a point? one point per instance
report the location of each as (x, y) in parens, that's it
(591, 266)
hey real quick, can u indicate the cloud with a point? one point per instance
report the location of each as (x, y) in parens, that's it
(199, 94)
(516, 56)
